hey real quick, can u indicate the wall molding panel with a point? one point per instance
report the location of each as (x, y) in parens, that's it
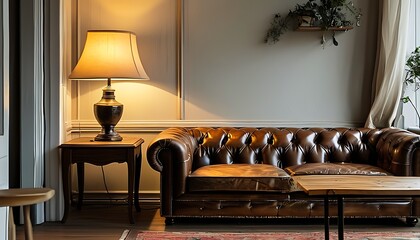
(158, 126)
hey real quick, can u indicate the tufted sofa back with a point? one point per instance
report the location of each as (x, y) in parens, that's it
(283, 147)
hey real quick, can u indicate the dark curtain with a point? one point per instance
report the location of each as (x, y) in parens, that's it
(14, 123)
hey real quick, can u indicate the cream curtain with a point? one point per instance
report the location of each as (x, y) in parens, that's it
(390, 60)
(32, 123)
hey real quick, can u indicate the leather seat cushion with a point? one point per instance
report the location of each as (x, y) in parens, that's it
(239, 177)
(335, 169)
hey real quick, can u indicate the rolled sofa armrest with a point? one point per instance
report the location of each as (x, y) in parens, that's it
(177, 141)
(171, 154)
(399, 152)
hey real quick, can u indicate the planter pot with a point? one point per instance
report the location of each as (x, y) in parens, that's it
(306, 21)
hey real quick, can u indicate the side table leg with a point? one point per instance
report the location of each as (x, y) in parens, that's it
(80, 183)
(130, 166)
(326, 218)
(27, 222)
(66, 173)
(12, 226)
(340, 221)
(137, 180)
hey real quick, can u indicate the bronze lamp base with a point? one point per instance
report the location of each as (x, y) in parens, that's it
(108, 113)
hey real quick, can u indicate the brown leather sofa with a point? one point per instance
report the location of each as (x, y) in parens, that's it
(245, 172)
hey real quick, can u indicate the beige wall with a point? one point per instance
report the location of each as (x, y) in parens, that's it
(231, 77)
(153, 21)
(294, 80)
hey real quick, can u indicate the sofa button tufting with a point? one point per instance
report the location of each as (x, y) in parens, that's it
(201, 208)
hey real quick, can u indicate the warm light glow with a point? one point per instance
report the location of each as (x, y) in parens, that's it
(109, 54)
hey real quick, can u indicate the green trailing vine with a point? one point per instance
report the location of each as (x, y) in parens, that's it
(407, 99)
(413, 68)
(322, 13)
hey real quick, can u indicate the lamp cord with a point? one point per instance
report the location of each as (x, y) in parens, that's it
(106, 185)
(109, 195)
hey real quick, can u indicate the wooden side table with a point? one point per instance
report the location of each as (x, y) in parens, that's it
(86, 150)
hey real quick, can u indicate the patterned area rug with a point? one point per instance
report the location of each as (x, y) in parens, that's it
(151, 235)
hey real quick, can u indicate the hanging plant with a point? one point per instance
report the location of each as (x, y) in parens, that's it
(325, 14)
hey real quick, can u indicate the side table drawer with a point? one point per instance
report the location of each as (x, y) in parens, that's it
(101, 155)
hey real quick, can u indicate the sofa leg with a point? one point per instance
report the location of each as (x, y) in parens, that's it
(169, 221)
(411, 222)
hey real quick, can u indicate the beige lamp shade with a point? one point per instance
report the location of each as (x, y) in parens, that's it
(109, 54)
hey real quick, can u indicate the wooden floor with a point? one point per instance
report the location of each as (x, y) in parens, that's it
(108, 221)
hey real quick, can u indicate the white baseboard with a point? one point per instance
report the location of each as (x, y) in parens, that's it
(152, 197)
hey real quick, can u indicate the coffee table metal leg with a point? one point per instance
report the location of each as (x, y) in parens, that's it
(326, 218)
(340, 221)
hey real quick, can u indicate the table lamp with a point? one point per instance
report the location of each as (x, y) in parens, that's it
(109, 55)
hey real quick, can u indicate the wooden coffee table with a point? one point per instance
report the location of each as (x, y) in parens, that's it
(340, 186)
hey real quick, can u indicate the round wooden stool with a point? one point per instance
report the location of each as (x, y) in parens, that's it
(23, 197)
